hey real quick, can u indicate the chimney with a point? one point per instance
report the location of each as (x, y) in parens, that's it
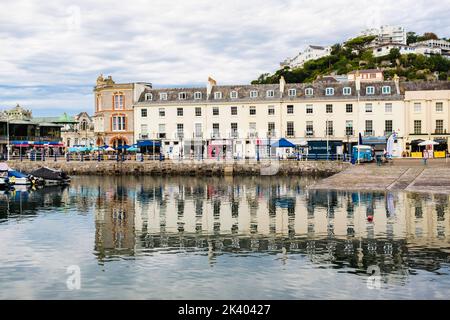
(282, 85)
(358, 81)
(211, 84)
(397, 83)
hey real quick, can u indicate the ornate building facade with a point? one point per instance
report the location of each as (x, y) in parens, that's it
(114, 115)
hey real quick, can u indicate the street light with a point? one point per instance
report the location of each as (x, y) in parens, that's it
(7, 137)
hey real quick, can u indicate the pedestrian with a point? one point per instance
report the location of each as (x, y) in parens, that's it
(425, 157)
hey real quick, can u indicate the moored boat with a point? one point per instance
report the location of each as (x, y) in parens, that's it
(4, 180)
(51, 177)
(18, 178)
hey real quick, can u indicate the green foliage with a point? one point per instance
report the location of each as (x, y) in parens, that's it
(344, 59)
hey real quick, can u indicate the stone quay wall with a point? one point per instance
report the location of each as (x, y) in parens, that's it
(188, 168)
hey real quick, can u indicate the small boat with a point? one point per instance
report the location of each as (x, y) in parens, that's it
(51, 177)
(4, 180)
(18, 178)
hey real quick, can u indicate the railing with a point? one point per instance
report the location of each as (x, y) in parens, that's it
(119, 157)
(234, 134)
(290, 133)
(309, 133)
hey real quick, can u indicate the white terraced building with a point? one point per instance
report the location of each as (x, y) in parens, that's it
(310, 53)
(242, 121)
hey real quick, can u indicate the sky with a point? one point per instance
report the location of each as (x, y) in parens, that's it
(51, 52)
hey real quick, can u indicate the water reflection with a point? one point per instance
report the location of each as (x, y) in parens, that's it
(348, 231)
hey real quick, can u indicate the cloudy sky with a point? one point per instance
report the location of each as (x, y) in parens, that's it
(52, 51)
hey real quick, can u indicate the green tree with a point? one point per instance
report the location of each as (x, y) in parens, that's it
(394, 54)
(411, 37)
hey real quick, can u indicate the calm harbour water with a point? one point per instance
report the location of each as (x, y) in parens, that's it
(217, 238)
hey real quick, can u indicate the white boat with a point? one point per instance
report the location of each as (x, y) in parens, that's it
(18, 178)
(4, 180)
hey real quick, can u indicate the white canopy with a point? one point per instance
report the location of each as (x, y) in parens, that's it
(4, 166)
(428, 143)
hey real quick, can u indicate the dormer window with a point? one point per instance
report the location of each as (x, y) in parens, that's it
(217, 95)
(386, 90)
(197, 95)
(370, 90)
(163, 96)
(292, 92)
(253, 94)
(182, 96)
(329, 91)
(148, 97)
(233, 94)
(270, 93)
(347, 91)
(309, 91)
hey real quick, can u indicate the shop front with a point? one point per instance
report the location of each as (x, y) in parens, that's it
(220, 149)
(194, 149)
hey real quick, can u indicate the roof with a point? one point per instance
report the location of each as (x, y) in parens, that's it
(61, 119)
(365, 71)
(319, 92)
(243, 93)
(317, 47)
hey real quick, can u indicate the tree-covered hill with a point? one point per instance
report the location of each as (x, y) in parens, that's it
(352, 55)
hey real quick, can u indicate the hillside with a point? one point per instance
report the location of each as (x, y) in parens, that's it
(352, 55)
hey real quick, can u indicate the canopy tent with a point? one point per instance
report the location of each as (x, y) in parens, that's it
(148, 143)
(303, 143)
(283, 143)
(428, 143)
(133, 149)
(123, 147)
(103, 147)
(109, 149)
(4, 166)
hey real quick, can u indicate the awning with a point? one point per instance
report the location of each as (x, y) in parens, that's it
(148, 143)
(283, 143)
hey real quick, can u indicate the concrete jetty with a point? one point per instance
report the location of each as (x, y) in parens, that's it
(400, 175)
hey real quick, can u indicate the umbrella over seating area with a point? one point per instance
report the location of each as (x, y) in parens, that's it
(283, 143)
(428, 143)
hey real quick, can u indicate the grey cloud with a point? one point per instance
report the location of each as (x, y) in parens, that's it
(64, 43)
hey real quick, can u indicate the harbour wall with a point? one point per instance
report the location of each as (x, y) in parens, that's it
(188, 168)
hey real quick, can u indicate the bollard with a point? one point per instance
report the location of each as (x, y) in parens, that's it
(55, 157)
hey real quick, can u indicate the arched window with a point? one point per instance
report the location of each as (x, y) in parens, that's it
(84, 125)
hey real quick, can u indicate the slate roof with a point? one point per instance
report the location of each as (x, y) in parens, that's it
(319, 92)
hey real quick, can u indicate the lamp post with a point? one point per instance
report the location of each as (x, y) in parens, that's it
(326, 132)
(7, 137)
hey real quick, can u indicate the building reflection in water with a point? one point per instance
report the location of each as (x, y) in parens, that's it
(270, 216)
(246, 216)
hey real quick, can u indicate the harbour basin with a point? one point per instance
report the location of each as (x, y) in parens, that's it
(222, 238)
